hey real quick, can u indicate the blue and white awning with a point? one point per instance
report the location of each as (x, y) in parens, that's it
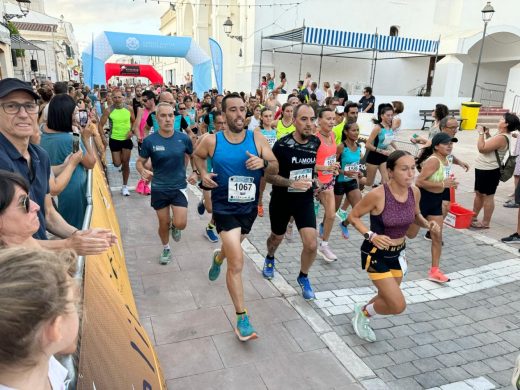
(357, 40)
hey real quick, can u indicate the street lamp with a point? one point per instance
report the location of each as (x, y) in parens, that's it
(228, 25)
(24, 8)
(487, 14)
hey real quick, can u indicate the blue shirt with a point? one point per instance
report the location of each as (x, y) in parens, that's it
(167, 154)
(37, 176)
(178, 125)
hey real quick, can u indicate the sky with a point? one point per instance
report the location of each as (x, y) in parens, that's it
(95, 16)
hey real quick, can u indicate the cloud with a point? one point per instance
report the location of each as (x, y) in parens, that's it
(95, 16)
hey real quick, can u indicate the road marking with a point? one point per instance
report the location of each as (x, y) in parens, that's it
(335, 302)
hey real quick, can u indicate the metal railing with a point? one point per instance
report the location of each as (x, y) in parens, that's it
(492, 94)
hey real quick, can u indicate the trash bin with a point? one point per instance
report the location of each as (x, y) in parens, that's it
(469, 111)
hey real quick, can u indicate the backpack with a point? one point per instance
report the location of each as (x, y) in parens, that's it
(508, 167)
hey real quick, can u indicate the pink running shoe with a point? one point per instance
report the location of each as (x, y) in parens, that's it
(437, 276)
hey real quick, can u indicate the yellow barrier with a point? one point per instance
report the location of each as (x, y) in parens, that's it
(115, 351)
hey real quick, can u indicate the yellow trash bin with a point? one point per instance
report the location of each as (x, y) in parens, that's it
(469, 112)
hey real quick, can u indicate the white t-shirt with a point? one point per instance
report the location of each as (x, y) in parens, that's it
(57, 375)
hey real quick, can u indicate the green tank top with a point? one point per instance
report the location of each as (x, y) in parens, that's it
(281, 130)
(120, 123)
(439, 174)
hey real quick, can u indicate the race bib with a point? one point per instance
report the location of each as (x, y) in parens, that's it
(300, 174)
(389, 138)
(351, 168)
(241, 189)
(271, 138)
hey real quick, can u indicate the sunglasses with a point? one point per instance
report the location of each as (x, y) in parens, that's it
(25, 203)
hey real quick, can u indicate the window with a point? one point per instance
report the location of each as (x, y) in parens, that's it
(394, 31)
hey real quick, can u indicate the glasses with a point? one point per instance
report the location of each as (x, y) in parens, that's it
(25, 203)
(182, 108)
(14, 108)
(452, 127)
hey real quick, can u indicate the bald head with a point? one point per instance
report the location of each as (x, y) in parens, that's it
(166, 97)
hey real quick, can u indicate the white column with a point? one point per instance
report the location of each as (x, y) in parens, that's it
(448, 75)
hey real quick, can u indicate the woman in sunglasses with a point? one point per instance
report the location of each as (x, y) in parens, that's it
(19, 221)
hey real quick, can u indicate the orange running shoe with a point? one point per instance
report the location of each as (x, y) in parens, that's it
(260, 211)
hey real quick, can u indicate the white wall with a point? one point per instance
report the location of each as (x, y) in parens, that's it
(410, 118)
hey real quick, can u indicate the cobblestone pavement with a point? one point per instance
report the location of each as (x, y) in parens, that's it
(459, 336)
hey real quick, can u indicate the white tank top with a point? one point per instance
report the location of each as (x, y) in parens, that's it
(254, 123)
(488, 161)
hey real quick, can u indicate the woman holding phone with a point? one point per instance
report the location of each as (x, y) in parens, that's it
(60, 141)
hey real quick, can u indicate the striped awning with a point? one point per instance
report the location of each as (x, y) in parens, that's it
(357, 40)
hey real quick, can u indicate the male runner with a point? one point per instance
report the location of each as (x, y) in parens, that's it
(166, 149)
(121, 119)
(238, 156)
(292, 194)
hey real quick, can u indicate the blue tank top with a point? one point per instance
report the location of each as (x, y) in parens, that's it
(349, 160)
(270, 135)
(238, 187)
(385, 137)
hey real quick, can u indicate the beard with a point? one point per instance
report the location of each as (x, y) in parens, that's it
(235, 130)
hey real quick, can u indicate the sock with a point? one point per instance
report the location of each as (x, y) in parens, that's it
(239, 314)
(324, 243)
(269, 257)
(368, 310)
(167, 247)
(124, 185)
(302, 275)
(434, 269)
(211, 226)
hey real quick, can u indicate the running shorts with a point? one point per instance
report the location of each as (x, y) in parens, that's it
(282, 208)
(446, 196)
(486, 181)
(376, 158)
(117, 146)
(227, 222)
(324, 187)
(165, 198)
(431, 203)
(344, 187)
(382, 264)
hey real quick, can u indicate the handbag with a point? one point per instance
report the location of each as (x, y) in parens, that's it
(508, 167)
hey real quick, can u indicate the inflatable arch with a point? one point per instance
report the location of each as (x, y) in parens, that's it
(109, 43)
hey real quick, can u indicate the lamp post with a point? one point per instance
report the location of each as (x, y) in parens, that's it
(228, 26)
(487, 14)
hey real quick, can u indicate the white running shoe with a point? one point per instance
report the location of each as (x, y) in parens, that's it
(327, 254)
(124, 191)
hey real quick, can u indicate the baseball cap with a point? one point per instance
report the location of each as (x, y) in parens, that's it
(11, 84)
(442, 138)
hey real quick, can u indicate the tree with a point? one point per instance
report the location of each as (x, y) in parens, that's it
(14, 31)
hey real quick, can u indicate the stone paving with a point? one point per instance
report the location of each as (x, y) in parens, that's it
(463, 335)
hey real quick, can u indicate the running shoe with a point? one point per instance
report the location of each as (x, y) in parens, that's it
(515, 380)
(320, 230)
(201, 208)
(327, 254)
(214, 270)
(244, 329)
(124, 191)
(166, 256)
(511, 204)
(260, 211)
(289, 232)
(515, 237)
(307, 292)
(268, 270)
(361, 325)
(176, 233)
(342, 214)
(344, 231)
(437, 276)
(211, 234)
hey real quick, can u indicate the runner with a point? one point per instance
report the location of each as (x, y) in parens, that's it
(327, 169)
(349, 155)
(381, 137)
(253, 121)
(166, 149)
(433, 180)
(393, 207)
(266, 119)
(285, 125)
(148, 102)
(238, 158)
(292, 195)
(205, 204)
(121, 119)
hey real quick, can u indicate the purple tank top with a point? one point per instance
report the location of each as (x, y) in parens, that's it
(396, 217)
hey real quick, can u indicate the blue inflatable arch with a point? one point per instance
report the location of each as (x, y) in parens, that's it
(109, 43)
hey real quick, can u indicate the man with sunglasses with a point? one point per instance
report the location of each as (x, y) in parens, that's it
(18, 119)
(151, 121)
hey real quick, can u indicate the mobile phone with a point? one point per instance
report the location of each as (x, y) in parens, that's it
(75, 142)
(83, 118)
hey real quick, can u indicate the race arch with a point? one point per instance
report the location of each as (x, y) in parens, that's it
(108, 43)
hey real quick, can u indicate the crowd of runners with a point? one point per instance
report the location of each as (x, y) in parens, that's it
(252, 156)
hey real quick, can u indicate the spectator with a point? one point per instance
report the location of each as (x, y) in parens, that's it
(327, 90)
(320, 95)
(487, 169)
(60, 87)
(46, 96)
(439, 113)
(58, 140)
(340, 92)
(281, 87)
(43, 299)
(368, 101)
(398, 109)
(19, 222)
